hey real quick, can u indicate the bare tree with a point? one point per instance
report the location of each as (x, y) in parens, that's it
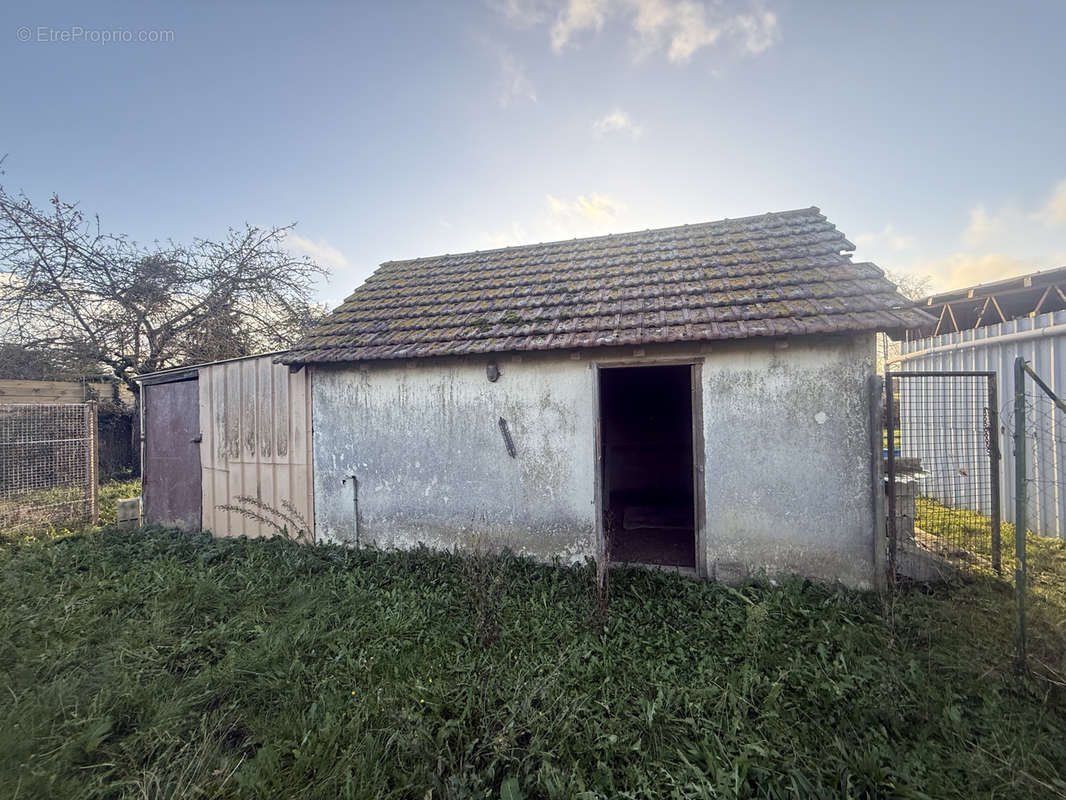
(913, 287)
(22, 363)
(86, 296)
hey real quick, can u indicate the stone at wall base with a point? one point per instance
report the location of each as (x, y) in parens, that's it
(128, 513)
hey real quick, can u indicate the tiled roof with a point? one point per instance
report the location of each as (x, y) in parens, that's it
(771, 275)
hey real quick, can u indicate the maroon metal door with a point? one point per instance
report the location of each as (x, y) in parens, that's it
(171, 469)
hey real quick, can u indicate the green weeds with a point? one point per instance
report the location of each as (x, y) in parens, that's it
(156, 664)
(286, 521)
(985, 606)
(42, 530)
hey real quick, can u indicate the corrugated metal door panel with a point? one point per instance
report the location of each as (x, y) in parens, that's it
(208, 448)
(172, 477)
(264, 400)
(247, 393)
(258, 442)
(247, 463)
(283, 414)
(299, 391)
(231, 389)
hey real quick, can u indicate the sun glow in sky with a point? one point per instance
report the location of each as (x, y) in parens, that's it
(930, 133)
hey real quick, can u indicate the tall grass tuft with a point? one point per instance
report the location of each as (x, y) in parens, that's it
(286, 521)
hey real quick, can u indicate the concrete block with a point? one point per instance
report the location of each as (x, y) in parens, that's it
(128, 512)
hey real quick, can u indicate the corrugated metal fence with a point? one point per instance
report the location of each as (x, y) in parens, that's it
(255, 419)
(1039, 340)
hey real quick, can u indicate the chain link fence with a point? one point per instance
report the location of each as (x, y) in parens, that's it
(48, 470)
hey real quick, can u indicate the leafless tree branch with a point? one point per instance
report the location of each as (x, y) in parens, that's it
(70, 289)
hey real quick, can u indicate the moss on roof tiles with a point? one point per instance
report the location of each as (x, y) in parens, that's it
(774, 274)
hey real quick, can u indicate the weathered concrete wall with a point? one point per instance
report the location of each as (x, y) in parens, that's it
(423, 439)
(786, 437)
(787, 446)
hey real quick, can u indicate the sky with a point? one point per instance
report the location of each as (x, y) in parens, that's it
(931, 133)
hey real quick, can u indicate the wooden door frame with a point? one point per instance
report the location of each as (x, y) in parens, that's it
(699, 532)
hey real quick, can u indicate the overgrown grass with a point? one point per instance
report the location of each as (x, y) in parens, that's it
(157, 664)
(107, 495)
(1045, 597)
(974, 532)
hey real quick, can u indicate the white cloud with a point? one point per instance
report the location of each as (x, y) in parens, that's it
(958, 270)
(983, 226)
(1009, 240)
(617, 120)
(583, 214)
(1011, 223)
(887, 237)
(514, 235)
(679, 28)
(578, 15)
(321, 252)
(1004, 242)
(683, 27)
(758, 30)
(523, 13)
(1054, 211)
(513, 83)
(590, 214)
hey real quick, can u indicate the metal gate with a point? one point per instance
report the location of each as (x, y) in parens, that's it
(942, 457)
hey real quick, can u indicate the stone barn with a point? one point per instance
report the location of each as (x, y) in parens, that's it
(698, 398)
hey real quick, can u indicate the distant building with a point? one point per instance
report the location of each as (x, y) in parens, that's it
(985, 327)
(986, 304)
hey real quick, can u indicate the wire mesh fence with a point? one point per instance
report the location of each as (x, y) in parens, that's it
(953, 447)
(1038, 430)
(943, 479)
(1045, 444)
(47, 464)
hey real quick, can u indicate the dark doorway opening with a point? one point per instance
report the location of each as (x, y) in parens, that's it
(647, 459)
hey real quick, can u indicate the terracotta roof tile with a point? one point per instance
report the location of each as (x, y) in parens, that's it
(771, 275)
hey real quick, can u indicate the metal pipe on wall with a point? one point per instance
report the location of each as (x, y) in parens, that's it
(355, 508)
